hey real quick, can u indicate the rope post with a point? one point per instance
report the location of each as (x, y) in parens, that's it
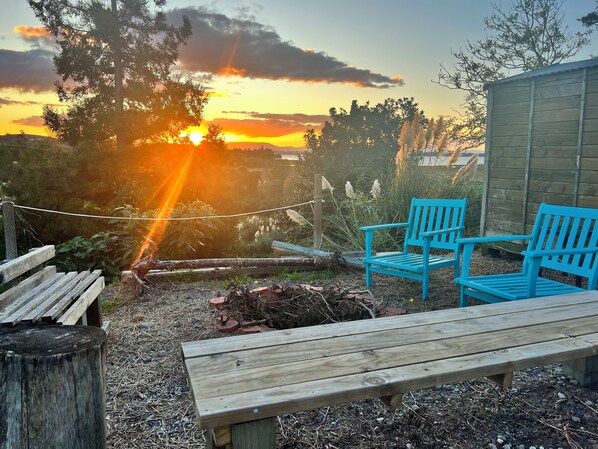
(317, 211)
(10, 230)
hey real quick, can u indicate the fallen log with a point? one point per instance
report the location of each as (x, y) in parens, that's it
(144, 267)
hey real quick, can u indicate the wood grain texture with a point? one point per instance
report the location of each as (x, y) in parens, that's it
(52, 393)
(16, 267)
(248, 378)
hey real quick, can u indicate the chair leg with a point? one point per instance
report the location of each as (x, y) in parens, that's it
(425, 288)
(462, 297)
(368, 275)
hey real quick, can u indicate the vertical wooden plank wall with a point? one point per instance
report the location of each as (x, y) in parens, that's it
(505, 162)
(588, 174)
(542, 147)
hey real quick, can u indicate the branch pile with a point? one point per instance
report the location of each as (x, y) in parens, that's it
(287, 307)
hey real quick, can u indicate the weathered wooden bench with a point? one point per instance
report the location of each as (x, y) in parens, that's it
(37, 294)
(241, 383)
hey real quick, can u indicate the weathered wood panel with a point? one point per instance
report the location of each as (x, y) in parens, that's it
(502, 162)
(588, 176)
(559, 79)
(504, 194)
(556, 104)
(554, 139)
(587, 201)
(507, 109)
(539, 174)
(554, 151)
(587, 189)
(511, 119)
(590, 125)
(508, 174)
(589, 163)
(510, 130)
(556, 91)
(551, 187)
(497, 226)
(553, 163)
(517, 141)
(590, 138)
(556, 116)
(590, 112)
(557, 127)
(535, 198)
(508, 152)
(511, 96)
(590, 150)
(509, 184)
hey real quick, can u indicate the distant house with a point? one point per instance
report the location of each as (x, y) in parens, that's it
(541, 145)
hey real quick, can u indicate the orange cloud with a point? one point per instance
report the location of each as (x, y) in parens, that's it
(34, 120)
(34, 34)
(269, 124)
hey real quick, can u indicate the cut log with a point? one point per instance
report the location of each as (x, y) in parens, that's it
(52, 393)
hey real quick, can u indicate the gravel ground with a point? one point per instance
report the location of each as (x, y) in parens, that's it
(149, 403)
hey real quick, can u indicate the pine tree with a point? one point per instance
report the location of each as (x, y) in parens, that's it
(116, 61)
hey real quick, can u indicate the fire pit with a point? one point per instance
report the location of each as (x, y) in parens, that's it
(288, 306)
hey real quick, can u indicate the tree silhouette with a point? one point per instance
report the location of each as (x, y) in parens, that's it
(115, 62)
(532, 34)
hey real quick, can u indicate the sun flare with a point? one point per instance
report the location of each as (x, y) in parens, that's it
(195, 137)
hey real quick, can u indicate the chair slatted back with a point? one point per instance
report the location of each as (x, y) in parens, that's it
(565, 227)
(427, 215)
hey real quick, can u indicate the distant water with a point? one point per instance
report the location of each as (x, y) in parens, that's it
(428, 160)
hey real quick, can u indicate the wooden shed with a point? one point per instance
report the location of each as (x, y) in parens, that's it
(541, 145)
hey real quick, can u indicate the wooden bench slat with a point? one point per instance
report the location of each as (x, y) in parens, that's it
(12, 294)
(16, 267)
(61, 305)
(16, 307)
(373, 360)
(239, 343)
(237, 361)
(243, 407)
(47, 303)
(78, 308)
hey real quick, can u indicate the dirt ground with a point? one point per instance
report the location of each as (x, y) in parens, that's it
(149, 403)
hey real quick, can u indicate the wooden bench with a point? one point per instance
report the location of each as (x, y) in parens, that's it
(241, 383)
(37, 294)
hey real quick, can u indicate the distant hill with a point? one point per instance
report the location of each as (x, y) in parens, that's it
(23, 139)
(257, 145)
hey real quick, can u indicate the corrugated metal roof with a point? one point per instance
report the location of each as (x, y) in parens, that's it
(549, 70)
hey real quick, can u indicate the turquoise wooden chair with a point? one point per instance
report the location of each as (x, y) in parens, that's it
(433, 224)
(563, 238)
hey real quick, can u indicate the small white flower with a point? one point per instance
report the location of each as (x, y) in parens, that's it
(297, 217)
(376, 189)
(349, 190)
(326, 185)
(257, 234)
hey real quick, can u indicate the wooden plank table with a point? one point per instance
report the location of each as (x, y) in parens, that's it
(240, 383)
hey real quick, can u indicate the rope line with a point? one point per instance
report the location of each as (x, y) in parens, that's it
(207, 217)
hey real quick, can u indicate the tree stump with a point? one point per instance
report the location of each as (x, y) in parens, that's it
(52, 387)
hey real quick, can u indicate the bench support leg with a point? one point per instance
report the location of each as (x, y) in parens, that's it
(585, 370)
(250, 435)
(504, 380)
(394, 402)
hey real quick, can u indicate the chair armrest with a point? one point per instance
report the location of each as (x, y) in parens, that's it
(383, 226)
(441, 231)
(492, 238)
(559, 252)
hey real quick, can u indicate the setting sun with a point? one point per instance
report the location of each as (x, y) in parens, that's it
(195, 137)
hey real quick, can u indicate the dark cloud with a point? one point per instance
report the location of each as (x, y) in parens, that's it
(243, 47)
(34, 120)
(31, 70)
(298, 118)
(11, 102)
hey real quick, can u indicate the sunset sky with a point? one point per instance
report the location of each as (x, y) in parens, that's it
(275, 67)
